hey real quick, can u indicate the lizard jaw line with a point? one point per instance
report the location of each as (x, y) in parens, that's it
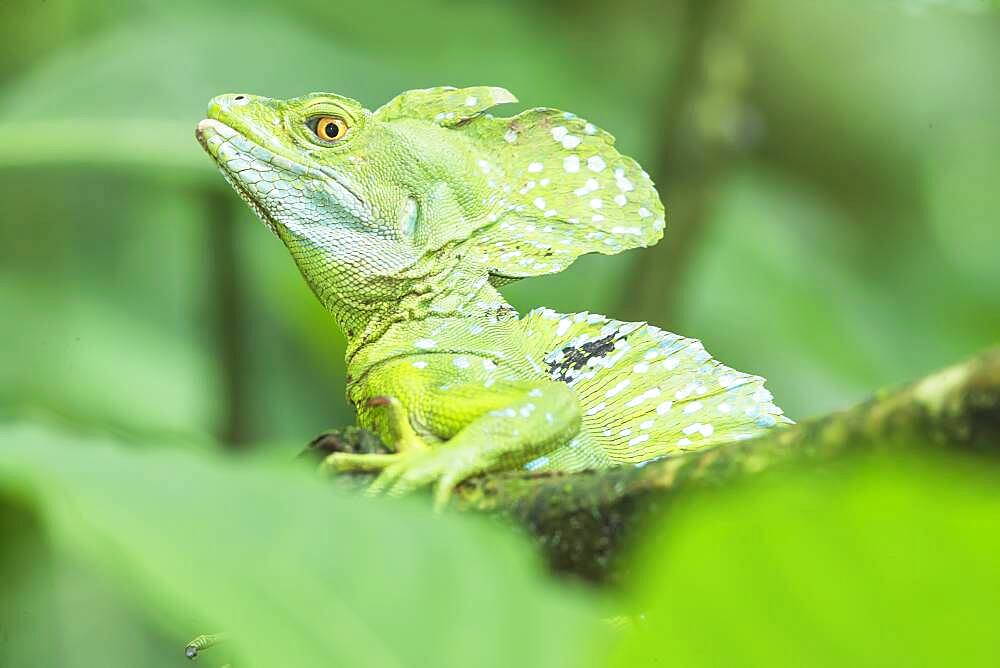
(212, 134)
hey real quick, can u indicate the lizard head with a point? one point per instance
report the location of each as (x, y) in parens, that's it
(367, 201)
(302, 166)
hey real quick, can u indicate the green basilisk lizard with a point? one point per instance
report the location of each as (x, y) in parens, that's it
(405, 220)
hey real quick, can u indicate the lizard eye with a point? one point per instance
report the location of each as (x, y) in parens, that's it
(328, 128)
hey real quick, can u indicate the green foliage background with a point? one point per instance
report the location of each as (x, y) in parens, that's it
(830, 174)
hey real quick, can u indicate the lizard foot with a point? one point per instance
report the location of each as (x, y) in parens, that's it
(401, 434)
(444, 468)
(353, 440)
(350, 462)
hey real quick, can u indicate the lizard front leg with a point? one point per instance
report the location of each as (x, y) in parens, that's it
(400, 435)
(485, 427)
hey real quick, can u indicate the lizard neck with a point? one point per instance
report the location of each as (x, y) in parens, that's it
(453, 291)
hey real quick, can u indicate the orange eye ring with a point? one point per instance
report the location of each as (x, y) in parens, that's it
(329, 128)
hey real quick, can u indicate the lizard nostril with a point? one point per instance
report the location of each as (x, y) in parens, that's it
(240, 97)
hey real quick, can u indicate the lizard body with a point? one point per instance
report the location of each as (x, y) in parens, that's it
(405, 221)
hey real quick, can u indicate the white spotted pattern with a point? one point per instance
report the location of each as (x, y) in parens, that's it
(645, 392)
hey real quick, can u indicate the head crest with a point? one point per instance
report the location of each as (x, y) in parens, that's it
(555, 187)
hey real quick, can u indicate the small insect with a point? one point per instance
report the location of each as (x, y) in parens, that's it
(203, 642)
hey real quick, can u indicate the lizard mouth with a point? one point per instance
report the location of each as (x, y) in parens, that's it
(227, 145)
(212, 135)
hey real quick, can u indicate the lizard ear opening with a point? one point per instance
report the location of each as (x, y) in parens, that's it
(558, 190)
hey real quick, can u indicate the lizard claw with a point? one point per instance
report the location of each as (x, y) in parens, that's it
(419, 469)
(443, 491)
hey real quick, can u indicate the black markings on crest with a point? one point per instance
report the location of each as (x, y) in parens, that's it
(570, 359)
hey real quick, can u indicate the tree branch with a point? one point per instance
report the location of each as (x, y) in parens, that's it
(581, 520)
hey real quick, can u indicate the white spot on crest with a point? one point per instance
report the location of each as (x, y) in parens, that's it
(570, 142)
(665, 407)
(510, 136)
(644, 212)
(620, 199)
(483, 165)
(617, 389)
(559, 132)
(563, 326)
(595, 163)
(425, 344)
(471, 101)
(535, 167)
(623, 183)
(639, 439)
(539, 202)
(571, 164)
(461, 362)
(420, 364)
(596, 203)
(536, 463)
(693, 407)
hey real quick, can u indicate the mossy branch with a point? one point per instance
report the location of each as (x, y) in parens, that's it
(583, 519)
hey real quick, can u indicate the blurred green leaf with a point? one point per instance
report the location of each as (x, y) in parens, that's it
(141, 110)
(58, 612)
(773, 261)
(890, 563)
(76, 352)
(297, 573)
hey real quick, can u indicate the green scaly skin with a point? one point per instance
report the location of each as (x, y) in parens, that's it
(405, 220)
